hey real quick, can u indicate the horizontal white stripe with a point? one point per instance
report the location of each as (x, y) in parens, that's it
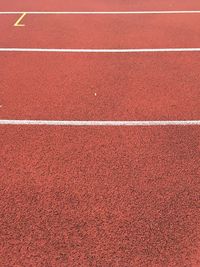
(131, 50)
(100, 12)
(98, 123)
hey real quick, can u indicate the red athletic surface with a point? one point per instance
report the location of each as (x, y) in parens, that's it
(100, 196)
(98, 5)
(127, 86)
(102, 31)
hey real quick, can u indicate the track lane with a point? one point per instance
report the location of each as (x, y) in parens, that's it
(102, 31)
(101, 5)
(100, 87)
(99, 196)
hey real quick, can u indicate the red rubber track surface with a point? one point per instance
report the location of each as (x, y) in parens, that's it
(98, 5)
(102, 31)
(127, 86)
(99, 196)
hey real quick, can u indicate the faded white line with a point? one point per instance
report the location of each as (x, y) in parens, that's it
(71, 50)
(101, 12)
(98, 123)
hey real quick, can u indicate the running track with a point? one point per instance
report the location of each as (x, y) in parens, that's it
(117, 196)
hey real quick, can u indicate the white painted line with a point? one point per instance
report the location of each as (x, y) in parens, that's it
(101, 12)
(69, 50)
(98, 123)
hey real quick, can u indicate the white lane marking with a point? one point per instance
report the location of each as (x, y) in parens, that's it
(69, 50)
(99, 123)
(100, 12)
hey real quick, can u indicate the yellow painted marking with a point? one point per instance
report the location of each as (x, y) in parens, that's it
(17, 23)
